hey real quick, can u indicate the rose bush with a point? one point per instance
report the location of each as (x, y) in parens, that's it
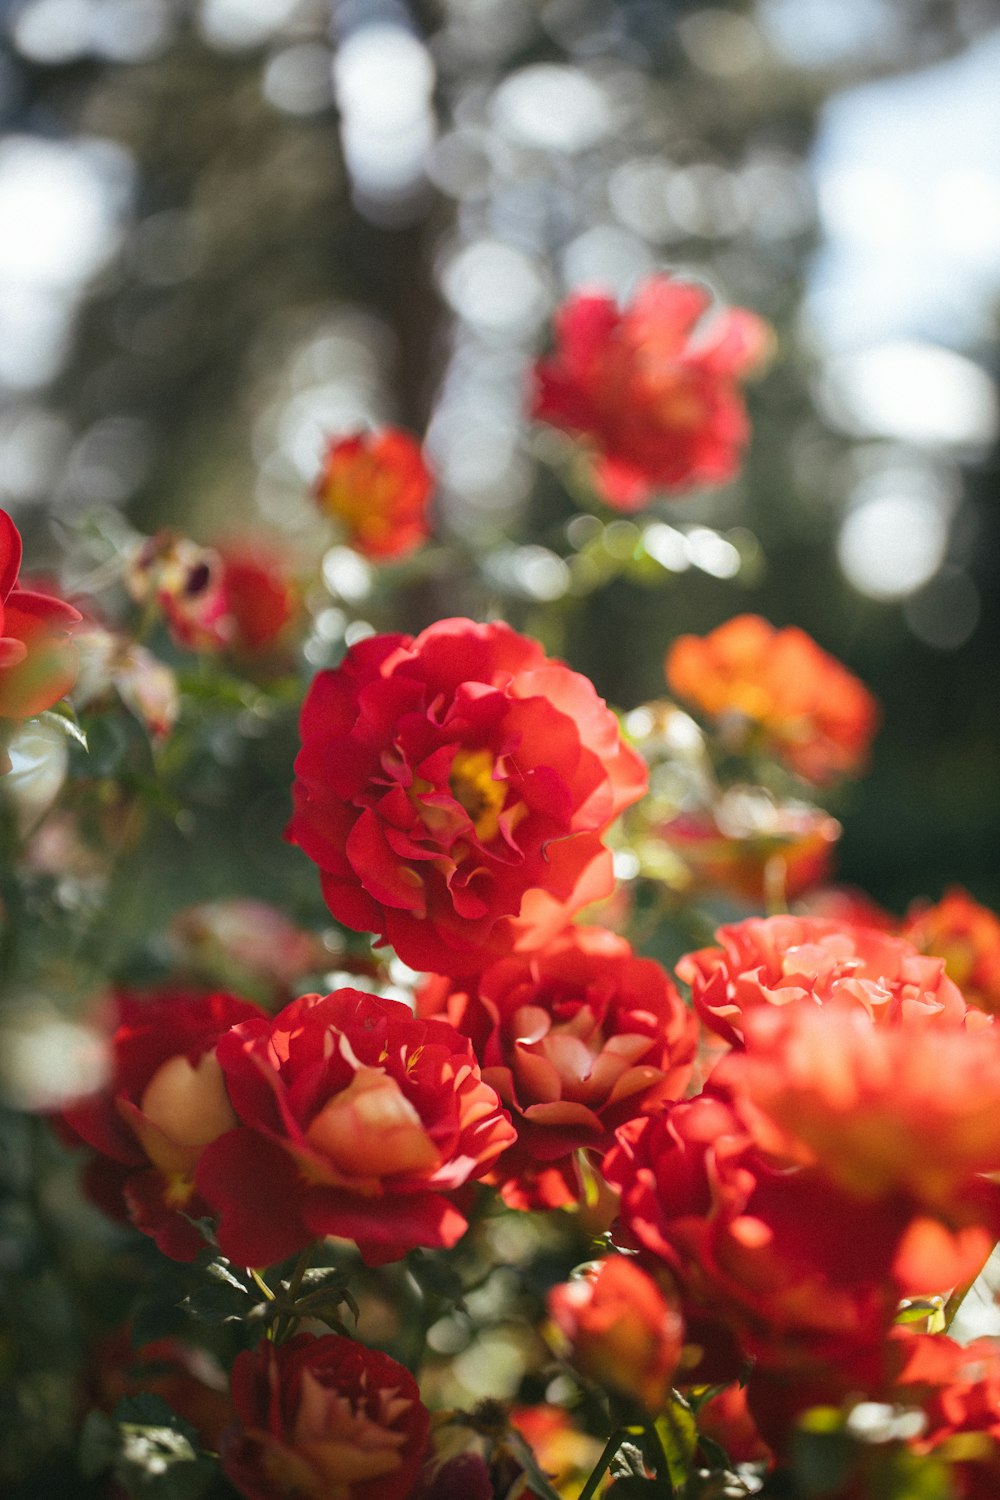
(453, 789)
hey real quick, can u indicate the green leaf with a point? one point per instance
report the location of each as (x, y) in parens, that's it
(159, 1454)
(678, 1435)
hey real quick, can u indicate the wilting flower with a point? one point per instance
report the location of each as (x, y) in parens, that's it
(652, 388)
(779, 689)
(621, 1330)
(112, 663)
(356, 1120)
(784, 960)
(967, 936)
(454, 788)
(376, 485)
(323, 1419)
(575, 1039)
(165, 1102)
(749, 845)
(38, 661)
(236, 597)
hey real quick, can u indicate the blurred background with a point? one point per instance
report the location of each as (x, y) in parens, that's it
(232, 228)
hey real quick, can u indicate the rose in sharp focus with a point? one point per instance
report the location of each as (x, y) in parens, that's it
(453, 789)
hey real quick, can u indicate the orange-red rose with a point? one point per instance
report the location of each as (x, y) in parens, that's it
(783, 960)
(38, 662)
(166, 1100)
(621, 1329)
(357, 1120)
(376, 485)
(652, 388)
(323, 1419)
(575, 1039)
(779, 689)
(454, 788)
(967, 936)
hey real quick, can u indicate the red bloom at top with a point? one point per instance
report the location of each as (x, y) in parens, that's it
(454, 788)
(772, 962)
(653, 391)
(38, 662)
(967, 936)
(779, 688)
(377, 485)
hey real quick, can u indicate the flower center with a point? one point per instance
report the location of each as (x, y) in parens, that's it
(473, 785)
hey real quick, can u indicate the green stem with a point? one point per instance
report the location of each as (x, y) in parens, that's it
(290, 1317)
(611, 1447)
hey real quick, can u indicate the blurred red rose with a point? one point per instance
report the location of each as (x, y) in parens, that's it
(575, 1039)
(259, 593)
(957, 1389)
(358, 1120)
(323, 1419)
(621, 1329)
(165, 1101)
(778, 961)
(454, 788)
(190, 1379)
(779, 688)
(38, 661)
(653, 390)
(377, 485)
(967, 936)
(725, 1418)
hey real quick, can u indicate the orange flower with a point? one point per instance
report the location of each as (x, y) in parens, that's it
(778, 688)
(621, 1329)
(967, 936)
(376, 485)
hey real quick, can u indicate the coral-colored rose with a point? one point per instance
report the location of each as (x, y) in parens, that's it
(38, 661)
(967, 936)
(906, 1110)
(376, 485)
(358, 1120)
(775, 1264)
(621, 1329)
(576, 1039)
(323, 1419)
(750, 846)
(653, 388)
(778, 689)
(454, 788)
(166, 1100)
(785, 960)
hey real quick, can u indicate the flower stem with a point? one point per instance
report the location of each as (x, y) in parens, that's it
(611, 1447)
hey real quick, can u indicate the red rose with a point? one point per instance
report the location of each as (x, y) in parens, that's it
(358, 1120)
(654, 393)
(377, 485)
(165, 1102)
(259, 593)
(323, 1419)
(777, 961)
(454, 788)
(38, 662)
(621, 1329)
(576, 1039)
(779, 688)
